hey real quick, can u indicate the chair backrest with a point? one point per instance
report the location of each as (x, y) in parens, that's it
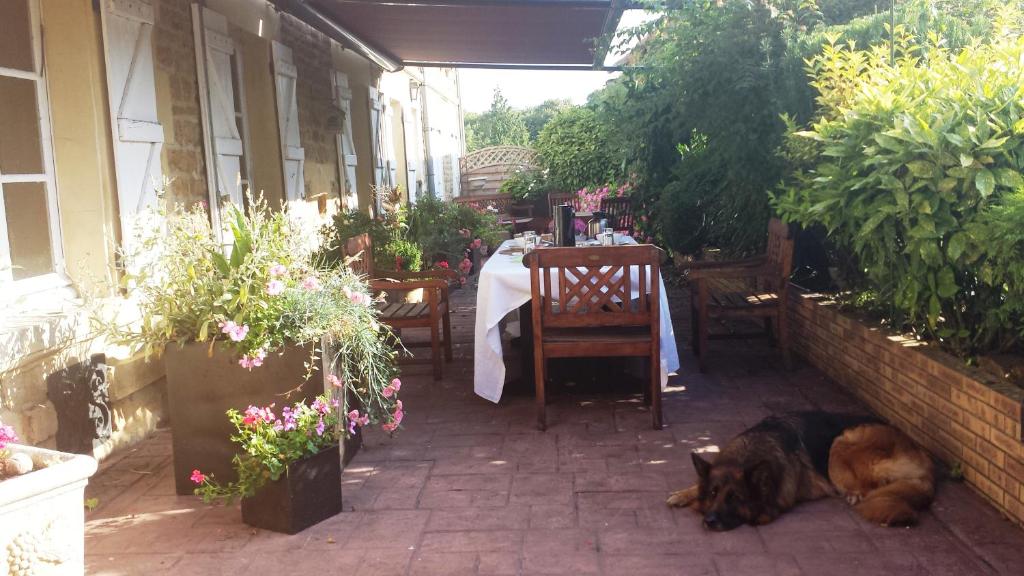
(361, 249)
(620, 210)
(593, 286)
(557, 198)
(500, 202)
(779, 254)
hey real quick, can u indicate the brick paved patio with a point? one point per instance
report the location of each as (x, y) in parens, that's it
(472, 488)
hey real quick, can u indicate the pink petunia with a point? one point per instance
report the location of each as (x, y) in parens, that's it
(334, 381)
(278, 270)
(443, 264)
(198, 477)
(396, 384)
(275, 287)
(311, 283)
(235, 332)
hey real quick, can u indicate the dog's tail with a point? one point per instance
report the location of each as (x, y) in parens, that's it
(898, 503)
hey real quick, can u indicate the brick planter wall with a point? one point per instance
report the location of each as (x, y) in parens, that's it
(958, 413)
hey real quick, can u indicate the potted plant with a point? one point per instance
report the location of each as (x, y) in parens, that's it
(289, 473)
(42, 519)
(246, 317)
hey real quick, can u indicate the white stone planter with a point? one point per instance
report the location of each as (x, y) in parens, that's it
(42, 515)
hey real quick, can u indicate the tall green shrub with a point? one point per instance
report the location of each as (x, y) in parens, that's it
(910, 154)
(575, 150)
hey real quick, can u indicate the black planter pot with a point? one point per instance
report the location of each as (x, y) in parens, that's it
(308, 493)
(203, 383)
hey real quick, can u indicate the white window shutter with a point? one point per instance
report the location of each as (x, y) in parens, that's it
(412, 150)
(293, 155)
(138, 135)
(375, 137)
(226, 152)
(347, 158)
(388, 143)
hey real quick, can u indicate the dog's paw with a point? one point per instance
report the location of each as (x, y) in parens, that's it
(681, 498)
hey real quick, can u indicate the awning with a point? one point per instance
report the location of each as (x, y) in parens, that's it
(559, 34)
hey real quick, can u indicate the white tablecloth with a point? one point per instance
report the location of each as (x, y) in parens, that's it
(504, 287)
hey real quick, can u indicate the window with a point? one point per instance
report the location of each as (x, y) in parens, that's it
(30, 250)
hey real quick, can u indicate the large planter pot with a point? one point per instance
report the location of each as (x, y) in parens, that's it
(204, 383)
(42, 514)
(308, 493)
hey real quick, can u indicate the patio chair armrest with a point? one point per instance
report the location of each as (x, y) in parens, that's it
(730, 272)
(408, 285)
(436, 273)
(711, 264)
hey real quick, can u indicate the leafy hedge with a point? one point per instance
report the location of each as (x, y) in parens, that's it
(575, 150)
(912, 168)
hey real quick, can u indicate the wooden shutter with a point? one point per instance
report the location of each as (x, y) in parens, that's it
(347, 158)
(375, 137)
(223, 120)
(388, 143)
(412, 150)
(138, 135)
(294, 156)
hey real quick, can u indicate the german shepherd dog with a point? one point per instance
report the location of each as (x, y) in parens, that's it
(787, 459)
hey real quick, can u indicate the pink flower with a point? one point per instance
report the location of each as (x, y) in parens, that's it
(390, 389)
(358, 297)
(198, 477)
(443, 264)
(275, 287)
(476, 243)
(310, 283)
(354, 419)
(254, 360)
(466, 265)
(462, 280)
(7, 436)
(465, 232)
(254, 415)
(278, 270)
(236, 332)
(334, 381)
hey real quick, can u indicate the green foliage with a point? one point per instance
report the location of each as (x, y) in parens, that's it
(537, 117)
(444, 230)
(912, 159)
(499, 126)
(266, 293)
(526, 185)
(401, 254)
(575, 150)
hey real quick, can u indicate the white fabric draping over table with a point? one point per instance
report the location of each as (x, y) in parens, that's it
(505, 286)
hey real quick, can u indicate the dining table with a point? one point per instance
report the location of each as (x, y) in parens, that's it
(504, 286)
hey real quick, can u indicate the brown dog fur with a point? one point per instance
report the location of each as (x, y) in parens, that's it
(879, 470)
(784, 460)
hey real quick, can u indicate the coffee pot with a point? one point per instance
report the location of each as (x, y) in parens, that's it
(565, 225)
(597, 224)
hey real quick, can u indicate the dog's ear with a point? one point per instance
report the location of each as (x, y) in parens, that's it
(702, 466)
(761, 480)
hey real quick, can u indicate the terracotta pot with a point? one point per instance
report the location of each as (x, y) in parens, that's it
(201, 388)
(308, 493)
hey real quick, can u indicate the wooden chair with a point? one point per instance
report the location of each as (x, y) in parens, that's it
(751, 288)
(582, 306)
(620, 213)
(557, 198)
(433, 313)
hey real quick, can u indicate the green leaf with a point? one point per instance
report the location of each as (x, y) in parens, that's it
(1010, 178)
(985, 182)
(956, 246)
(921, 168)
(955, 139)
(966, 160)
(947, 283)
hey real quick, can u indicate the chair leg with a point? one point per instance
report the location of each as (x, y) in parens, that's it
(655, 391)
(446, 321)
(782, 338)
(694, 329)
(538, 377)
(702, 319)
(435, 350)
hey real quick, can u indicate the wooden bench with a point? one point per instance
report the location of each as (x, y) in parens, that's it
(751, 288)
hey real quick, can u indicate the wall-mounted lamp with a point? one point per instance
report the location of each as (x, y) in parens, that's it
(414, 90)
